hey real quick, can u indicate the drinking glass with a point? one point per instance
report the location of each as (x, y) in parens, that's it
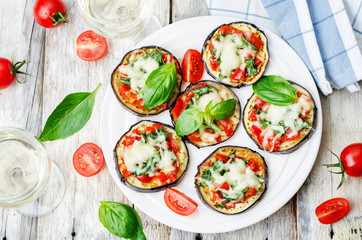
(118, 18)
(29, 181)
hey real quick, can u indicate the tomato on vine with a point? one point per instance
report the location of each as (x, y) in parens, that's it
(8, 72)
(350, 162)
(50, 13)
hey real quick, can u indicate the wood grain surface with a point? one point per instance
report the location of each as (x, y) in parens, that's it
(57, 71)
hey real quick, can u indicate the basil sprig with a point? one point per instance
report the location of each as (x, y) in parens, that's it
(275, 90)
(159, 86)
(191, 119)
(121, 220)
(69, 116)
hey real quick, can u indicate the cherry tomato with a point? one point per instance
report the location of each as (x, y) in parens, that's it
(8, 72)
(350, 161)
(221, 157)
(226, 126)
(238, 74)
(253, 39)
(50, 13)
(179, 203)
(192, 66)
(88, 159)
(351, 158)
(91, 46)
(332, 210)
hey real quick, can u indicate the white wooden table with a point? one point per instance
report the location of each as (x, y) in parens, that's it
(57, 71)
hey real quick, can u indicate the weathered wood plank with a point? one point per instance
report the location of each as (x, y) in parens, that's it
(341, 127)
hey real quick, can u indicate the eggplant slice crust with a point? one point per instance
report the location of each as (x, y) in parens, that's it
(278, 129)
(232, 179)
(151, 157)
(236, 54)
(202, 92)
(129, 77)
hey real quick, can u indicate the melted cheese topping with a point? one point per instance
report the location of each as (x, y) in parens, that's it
(140, 153)
(206, 98)
(237, 175)
(139, 71)
(281, 118)
(229, 52)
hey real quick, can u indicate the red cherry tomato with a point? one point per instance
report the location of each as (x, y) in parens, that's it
(88, 160)
(8, 72)
(192, 66)
(332, 210)
(144, 178)
(350, 161)
(351, 158)
(179, 203)
(50, 13)
(91, 46)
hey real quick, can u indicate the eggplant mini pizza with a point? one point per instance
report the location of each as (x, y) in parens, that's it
(280, 129)
(130, 76)
(231, 179)
(206, 113)
(236, 54)
(151, 157)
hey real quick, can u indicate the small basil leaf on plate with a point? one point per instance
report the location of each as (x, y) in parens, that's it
(223, 110)
(275, 90)
(69, 116)
(189, 121)
(121, 220)
(159, 86)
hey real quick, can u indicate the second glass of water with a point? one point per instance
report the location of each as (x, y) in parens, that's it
(117, 18)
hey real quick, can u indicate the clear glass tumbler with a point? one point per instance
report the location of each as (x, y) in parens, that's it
(29, 181)
(117, 18)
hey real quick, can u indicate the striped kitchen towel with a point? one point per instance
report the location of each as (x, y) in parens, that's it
(327, 34)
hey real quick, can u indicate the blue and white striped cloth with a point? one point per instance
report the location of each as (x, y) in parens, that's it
(327, 34)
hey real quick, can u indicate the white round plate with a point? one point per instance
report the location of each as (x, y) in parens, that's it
(286, 172)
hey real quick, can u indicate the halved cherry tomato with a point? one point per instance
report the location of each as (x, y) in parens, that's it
(179, 202)
(192, 66)
(216, 197)
(226, 126)
(224, 185)
(144, 178)
(91, 46)
(88, 159)
(332, 210)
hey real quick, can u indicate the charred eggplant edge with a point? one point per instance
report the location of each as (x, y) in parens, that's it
(193, 84)
(301, 142)
(260, 74)
(174, 95)
(266, 177)
(155, 189)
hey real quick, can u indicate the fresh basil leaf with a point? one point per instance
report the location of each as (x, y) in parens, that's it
(159, 86)
(157, 56)
(208, 107)
(203, 90)
(189, 121)
(69, 116)
(207, 119)
(223, 110)
(275, 90)
(121, 220)
(250, 67)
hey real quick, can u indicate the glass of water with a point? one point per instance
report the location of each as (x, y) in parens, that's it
(29, 181)
(117, 18)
